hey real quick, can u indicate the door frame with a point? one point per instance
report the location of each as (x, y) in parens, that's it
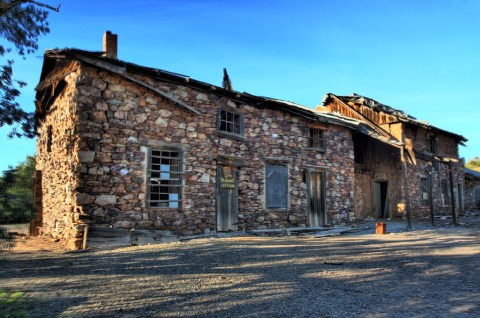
(377, 198)
(234, 213)
(323, 191)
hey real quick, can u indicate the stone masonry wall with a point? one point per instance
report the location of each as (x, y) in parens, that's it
(118, 120)
(446, 147)
(61, 215)
(472, 199)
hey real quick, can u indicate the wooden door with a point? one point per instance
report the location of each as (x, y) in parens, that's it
(316, 198)
(227, 198)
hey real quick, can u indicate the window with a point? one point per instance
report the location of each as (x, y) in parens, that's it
(49, 138)
(316, 138)
(165, 176)
(432, 144)
(359, 147)
(425, 191)
(432, 147)
(276, 180)
(230, 122)
(444, 193)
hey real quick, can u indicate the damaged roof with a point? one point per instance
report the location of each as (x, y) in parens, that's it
(57, 59)
(379, 107)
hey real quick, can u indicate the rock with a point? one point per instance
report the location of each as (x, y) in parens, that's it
(84, 198)
(205, 178)
(86, 156)
(105, 199)
(161, 122)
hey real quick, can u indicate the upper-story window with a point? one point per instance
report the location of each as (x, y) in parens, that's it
(316, 138)
(230, 122)
(432, 147)
(432, 144)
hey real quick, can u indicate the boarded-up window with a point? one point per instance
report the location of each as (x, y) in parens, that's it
(424, 191)
(316, 138)
(165, 179)
(444, 193)
(277, 186)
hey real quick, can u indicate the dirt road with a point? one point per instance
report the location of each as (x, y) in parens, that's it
(423, 273)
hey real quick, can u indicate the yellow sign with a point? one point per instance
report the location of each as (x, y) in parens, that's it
(227, 183)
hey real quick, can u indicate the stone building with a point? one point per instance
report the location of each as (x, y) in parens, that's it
(472, 190)
(135, 151)
(130, 147)
(425, 161)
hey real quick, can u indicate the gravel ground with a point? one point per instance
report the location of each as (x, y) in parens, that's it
(420, 273)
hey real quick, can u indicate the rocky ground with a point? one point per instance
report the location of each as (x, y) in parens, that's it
(427, 272)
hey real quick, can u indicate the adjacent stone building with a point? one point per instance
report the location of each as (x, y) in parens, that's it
(128, 148)
(424, 160)
(472, 190)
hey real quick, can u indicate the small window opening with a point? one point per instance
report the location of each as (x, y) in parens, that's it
(316, 138)
(230, 122)
(49, 138)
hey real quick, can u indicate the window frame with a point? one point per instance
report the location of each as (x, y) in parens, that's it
(227, 133)
(444, 194)
(165, 184)
(425, 189)
(316, 136)
(268, 204)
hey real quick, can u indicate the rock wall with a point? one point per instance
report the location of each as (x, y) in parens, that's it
(472, 194)
(57, 159)
(446, 147)
(118, 120)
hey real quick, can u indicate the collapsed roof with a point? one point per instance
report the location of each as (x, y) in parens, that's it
(401, 116)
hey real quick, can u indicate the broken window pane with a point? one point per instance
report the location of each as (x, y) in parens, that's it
(230, 122)
(316, 138)
(165, 185)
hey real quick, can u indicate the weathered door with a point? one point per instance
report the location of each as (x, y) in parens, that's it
(316, 198)
(227, 198)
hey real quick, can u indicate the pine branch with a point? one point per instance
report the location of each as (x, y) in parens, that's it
(6, 6)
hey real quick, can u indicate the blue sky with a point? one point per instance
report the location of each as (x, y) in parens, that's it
(418, 56)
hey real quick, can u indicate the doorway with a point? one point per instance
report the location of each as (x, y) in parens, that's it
(227, 198)
(380, 199)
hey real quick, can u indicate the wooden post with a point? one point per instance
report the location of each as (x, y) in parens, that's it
(405, 185)
(452, 192)
(430, 195)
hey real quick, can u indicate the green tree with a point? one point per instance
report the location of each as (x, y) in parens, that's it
(474, 164)
(16, 192)
(21, 24)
